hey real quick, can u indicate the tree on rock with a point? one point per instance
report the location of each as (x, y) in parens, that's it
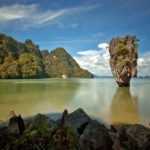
(9, 69)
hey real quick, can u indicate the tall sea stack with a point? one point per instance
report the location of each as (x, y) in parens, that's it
(123, 59)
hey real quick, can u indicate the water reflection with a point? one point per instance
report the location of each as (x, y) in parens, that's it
(29, 97)
(98, 97)
(94, 96)
(124, 107)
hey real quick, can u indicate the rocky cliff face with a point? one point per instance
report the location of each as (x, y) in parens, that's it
(59, 63)
(26, 60)
(123, 59)
(19, 60)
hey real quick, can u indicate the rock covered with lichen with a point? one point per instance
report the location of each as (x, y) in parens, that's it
(123, 59)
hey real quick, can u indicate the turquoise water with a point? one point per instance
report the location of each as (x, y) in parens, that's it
(101, 98)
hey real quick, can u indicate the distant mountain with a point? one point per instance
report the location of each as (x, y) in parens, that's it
(26, 60)
(143, 77)
(99, 76)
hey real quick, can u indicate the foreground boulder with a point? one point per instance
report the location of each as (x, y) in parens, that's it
(74, 131)
(77, 120)
(16, 124)
(95, 137)
(132, 137)
(123, 59)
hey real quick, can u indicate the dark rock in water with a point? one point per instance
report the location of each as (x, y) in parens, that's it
(41, 124)
(123, 141)
(4, 130)
(77, 120)
(40, 121)
(75, 131)
(140, 134)
(13, 125)
(132, 137)
(123, 59)
(64, 118)
(21, 124)
(95, 137)
(6, 139)
(64, 138)
(16, 125)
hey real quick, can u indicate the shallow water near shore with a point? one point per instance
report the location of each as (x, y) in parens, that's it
(100, 98)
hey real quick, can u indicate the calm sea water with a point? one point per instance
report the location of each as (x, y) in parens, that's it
(101, 98)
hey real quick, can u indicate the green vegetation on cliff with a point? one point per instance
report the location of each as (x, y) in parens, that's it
(123, 58)
(26, 60)
(31, 66)
(59, 63)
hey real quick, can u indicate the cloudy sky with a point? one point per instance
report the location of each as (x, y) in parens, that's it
(83, 27)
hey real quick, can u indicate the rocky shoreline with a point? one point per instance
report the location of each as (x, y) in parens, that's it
(71, 131)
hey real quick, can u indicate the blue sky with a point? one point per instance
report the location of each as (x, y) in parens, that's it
(83, 27)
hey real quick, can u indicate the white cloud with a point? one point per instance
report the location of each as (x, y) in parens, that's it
(96, 61)
(48, 16)
(28, 15)
(103, 46)
(88, 52)
(8, 13)
(33, 15)
(144, 65)
(14, 12)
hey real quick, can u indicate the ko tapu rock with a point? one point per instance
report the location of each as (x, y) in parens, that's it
(123, 59)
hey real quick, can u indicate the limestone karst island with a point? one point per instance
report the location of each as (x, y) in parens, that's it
(74, 75)
(123, 59)
(25, 60)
